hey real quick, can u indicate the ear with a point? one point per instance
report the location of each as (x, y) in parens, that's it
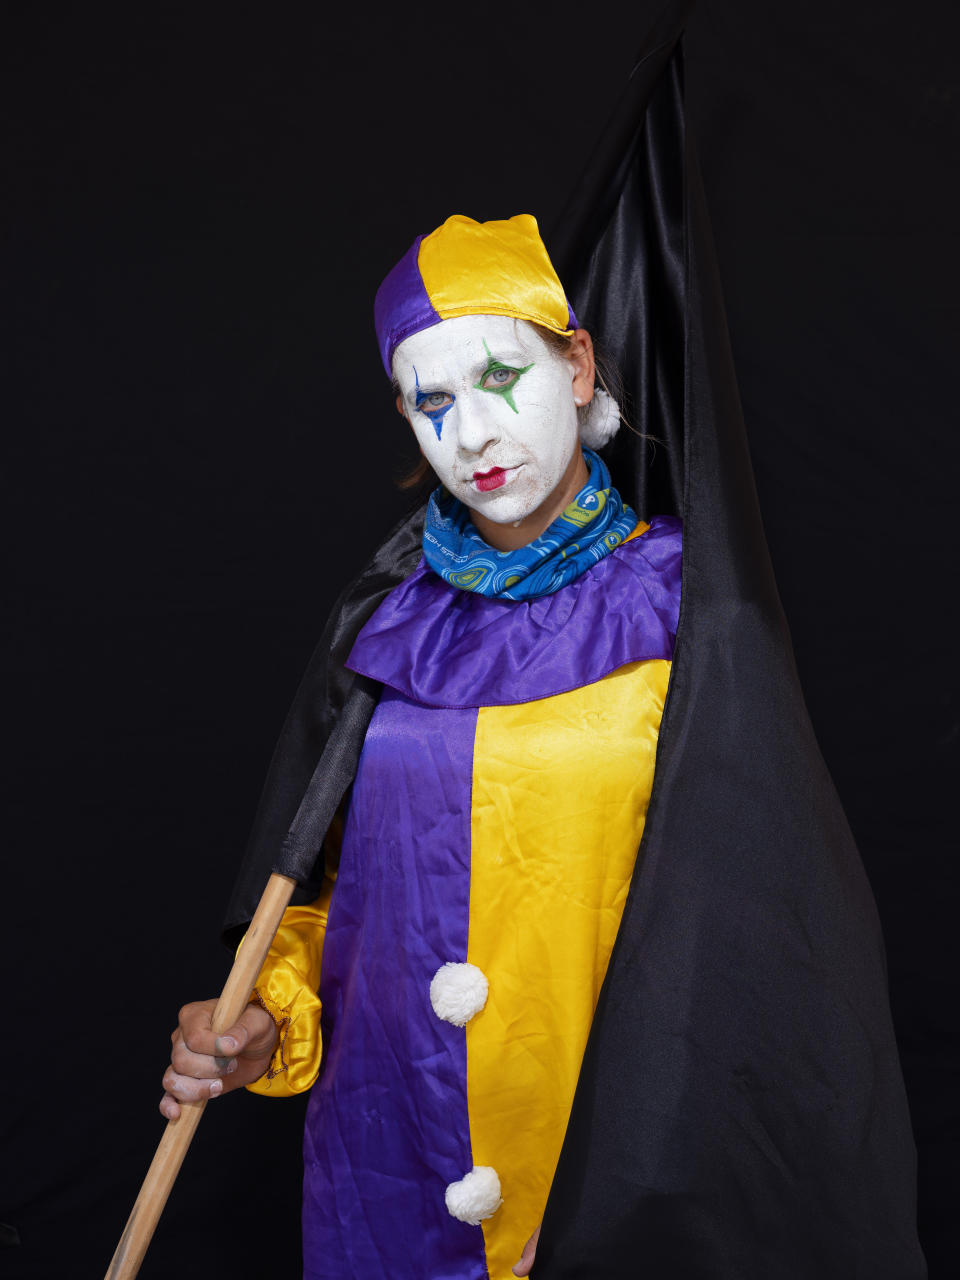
(584, 369)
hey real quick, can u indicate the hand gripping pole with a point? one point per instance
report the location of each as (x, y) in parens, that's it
(334, 772)
(178, 1134)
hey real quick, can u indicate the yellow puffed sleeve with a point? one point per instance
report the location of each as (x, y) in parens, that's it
(287, 989)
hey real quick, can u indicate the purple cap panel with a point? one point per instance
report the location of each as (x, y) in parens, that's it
(402, 305)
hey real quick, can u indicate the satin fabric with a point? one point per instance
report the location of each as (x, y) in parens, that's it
(455, 649)
(515, 827)
(624, 610)
(497, 268)
(460, 819)
(559, 801)
(286, 987)
(387, 1126)
(586, 531)
(740, 1112)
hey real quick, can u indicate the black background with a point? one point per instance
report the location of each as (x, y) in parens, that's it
(202, 448)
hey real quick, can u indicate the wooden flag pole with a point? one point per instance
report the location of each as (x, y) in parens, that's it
(178, 1134)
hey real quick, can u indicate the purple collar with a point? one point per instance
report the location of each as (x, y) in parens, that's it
(449, 648)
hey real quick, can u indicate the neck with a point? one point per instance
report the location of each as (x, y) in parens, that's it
(510, 537)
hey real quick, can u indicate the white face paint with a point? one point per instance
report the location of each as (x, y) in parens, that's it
(492, 407)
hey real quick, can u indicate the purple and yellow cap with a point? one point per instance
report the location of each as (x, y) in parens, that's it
(468, 268)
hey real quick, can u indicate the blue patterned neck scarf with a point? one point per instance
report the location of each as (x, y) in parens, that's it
(594, 523)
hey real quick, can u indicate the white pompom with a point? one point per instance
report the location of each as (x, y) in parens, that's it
(457, 992)
(602, 420)
(476, 1196)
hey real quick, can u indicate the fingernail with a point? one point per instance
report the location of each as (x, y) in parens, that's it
(226, 1044)
(216, 1087)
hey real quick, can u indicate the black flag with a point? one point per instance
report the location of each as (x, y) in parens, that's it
(740, 1110)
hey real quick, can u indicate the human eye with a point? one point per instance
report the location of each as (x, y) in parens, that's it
(501, 379)
(433, 405)
(434, 400)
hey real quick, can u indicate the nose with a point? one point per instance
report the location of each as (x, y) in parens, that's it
(476, 422)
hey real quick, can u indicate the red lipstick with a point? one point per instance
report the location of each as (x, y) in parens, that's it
(487, 480)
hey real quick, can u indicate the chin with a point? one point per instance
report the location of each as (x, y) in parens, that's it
(508, 509)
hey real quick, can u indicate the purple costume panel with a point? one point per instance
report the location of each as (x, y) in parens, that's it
(387, 1127)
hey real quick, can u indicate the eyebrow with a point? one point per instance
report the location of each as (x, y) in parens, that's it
(429, 388)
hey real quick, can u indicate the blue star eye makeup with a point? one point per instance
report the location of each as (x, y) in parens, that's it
(500, 378)
(433, 405)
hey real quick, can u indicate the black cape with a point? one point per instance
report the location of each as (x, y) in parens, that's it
(740, 1111)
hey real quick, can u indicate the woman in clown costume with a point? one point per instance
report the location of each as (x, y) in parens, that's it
(437, 995)
(680, 1059)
